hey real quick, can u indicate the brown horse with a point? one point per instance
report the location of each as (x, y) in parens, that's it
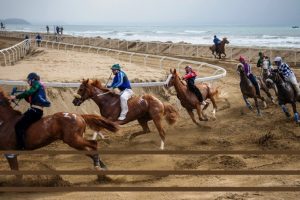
(286, 94)
(68, 127)
(248, 89)
(221, 49)
(189, 100)
(142, 108)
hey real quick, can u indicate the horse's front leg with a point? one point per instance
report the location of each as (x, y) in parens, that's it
(13, 163)
(257, 107)
(247, 102)
(200, 114)
(285, 110)
(190, 112)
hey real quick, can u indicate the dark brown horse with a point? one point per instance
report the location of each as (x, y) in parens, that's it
(220, 50)
(286, 94)
(189, 100)
(248, 89)
(68, 127)
(142, 108)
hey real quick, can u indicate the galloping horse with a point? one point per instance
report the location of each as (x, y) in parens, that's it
(286, 94)
(188, 99)
(67, 127)
(221, 49)
(248, 89)
(142, 108)
(266, 71)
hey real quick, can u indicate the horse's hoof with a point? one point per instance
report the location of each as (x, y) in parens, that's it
(98, 168)
(259, 114)
(203, 119)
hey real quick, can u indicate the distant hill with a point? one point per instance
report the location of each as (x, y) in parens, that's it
(14, 21)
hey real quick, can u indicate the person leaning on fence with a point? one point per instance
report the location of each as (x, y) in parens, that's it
(36, 97)
(121, 82)
(190, 77)
(47, 28)
(38, 39)
(288, 75)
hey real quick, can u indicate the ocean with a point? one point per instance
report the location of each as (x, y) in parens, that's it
(268, 36)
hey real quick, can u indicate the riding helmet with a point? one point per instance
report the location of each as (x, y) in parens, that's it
(33, 76)
(116, 67)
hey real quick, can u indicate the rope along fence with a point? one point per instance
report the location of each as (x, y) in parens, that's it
(159, 173)
(290, 55)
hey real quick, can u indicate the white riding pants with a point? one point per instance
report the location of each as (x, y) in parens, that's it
(125, 95)
(292, 79)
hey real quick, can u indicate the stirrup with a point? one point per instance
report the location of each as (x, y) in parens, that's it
(203, 103)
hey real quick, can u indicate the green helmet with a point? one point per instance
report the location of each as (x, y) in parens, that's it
(116, 67)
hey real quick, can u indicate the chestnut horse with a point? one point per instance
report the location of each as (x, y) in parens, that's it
(221, 49)
(142, 108)
(68, 127)
(189, 100)
(286, 94)
(248, 89)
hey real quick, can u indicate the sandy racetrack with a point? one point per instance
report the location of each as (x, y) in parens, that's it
(236, 128)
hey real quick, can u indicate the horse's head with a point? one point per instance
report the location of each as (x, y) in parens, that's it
(275, 76)
(171, 78)
(87, 90)
(240, 68)
(225, 41)
(83, 93)
(4, 101)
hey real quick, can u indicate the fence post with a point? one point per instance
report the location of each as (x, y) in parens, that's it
(4, 58)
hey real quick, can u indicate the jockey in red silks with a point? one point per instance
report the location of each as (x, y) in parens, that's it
(190, 77)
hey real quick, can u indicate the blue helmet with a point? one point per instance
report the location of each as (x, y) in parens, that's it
(33, 76)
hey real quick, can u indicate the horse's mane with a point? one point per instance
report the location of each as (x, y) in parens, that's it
(6, 100)
(97, 83)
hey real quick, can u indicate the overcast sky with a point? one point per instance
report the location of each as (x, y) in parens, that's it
(154, 12)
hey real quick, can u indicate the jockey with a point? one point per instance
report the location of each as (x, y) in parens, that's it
(249, 74)
(190, 77)
(121, 82)
(217, 43)
(287, 74)
(36, 96)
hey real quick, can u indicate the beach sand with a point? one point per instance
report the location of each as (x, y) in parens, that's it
(236, 128)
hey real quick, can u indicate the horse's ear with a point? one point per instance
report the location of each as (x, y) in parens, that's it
(171, 71)
(174, 72)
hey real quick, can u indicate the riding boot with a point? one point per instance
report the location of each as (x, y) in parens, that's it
(195, 90)
(20, 140)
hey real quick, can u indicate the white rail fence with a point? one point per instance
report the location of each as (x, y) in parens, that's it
(291, 56)
(211, 72)
(13, 54)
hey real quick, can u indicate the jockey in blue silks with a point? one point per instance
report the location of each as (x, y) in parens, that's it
(121, 82)
(217, 43)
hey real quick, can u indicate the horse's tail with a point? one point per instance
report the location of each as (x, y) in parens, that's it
(170, 113)
(96, 123)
